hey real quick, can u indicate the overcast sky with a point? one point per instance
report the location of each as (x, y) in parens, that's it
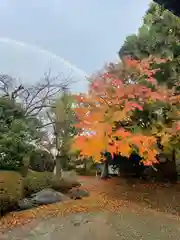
(38, 34)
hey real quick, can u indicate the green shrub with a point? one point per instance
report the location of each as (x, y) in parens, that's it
(14, 187)
(36, 181)
(41, 161)
(11, 190)
(63, 185)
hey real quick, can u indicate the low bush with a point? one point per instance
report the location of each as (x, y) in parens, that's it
(68, 181)
(69, 176)
(14, 187)
(36, 181)
(63, 185)
(11, 190)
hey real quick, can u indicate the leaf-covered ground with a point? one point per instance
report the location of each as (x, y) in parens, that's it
(112, 195)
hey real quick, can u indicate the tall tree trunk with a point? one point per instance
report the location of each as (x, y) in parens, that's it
(173, 176)
(105, 171)
(168, 169)
(85, 165)
(58, 166)
(64, 161)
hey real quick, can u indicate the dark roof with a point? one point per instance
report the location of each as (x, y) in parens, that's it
(171, 5)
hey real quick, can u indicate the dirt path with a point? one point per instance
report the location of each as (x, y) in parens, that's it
(102, 225)
(126, 221)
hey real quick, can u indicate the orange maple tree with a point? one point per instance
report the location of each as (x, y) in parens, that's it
(109, 105)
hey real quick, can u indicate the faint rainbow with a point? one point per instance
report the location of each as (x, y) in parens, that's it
(52, 55)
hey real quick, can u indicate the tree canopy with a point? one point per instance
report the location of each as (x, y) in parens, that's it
(107, 114)
(158, 36)
(18, 134)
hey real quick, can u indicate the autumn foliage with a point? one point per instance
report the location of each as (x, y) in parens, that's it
(105, 113)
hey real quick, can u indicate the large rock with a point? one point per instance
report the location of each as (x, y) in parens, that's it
(77, 193)
(26, 204)
(48, 196)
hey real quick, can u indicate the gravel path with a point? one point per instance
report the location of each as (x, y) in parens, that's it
(102, 225)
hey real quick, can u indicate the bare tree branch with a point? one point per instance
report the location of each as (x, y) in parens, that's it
(34, 99)
(8, 88)
(42, 95)
(46, 124)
